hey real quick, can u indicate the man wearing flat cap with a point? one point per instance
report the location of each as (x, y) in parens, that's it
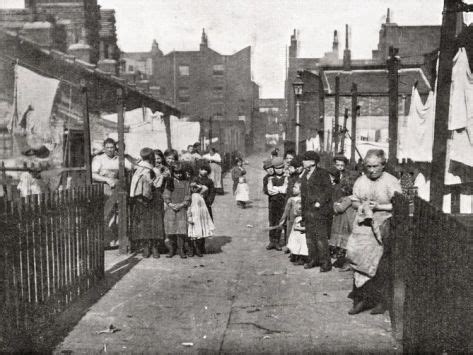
(316, 198)
(277, 186)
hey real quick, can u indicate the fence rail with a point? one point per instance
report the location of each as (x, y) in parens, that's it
(51, 253)
(432, 278)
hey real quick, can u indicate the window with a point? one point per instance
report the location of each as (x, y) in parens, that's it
(183, 70)
(131, 68)
(183, 94)
(218, 92)
(218, 69)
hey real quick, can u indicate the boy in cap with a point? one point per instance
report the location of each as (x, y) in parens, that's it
(316, 196)
(277, 187)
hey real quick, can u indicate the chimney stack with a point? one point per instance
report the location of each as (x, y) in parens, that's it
(388, 16)
(347, 52)
(335, 42)
(293, 46)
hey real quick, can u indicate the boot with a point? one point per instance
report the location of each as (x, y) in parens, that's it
(293, 258)
(190, 247)
(197, 244)
(171, 247)
(311, 264)
(378, 309)
(180, 246)
(326, 267)
(358, 307)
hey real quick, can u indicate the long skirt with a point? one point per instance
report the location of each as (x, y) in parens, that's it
(216, 175)
(342, 227)
(147, 218)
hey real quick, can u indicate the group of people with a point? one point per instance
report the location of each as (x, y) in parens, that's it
(334, 217)
(171, 198)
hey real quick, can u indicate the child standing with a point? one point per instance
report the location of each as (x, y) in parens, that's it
(176, 199)
(200, 225)
(242, 193)
(240, 187)
(292, 216)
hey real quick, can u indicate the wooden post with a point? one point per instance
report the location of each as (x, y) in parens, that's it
(122, 188)
(167, 125)
(85, 113)
(345, 120)
(210, 131)
(393, 84)
(444, 78)
(354, 104)
(337, 113)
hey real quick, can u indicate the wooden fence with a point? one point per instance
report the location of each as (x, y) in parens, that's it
(51, 253)
(432, 278)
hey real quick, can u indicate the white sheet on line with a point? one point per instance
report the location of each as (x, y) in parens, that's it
(419, 133)
(39, 92)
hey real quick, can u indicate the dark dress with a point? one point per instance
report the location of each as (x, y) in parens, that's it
(277, 203)
(175, 223)
(147, 214)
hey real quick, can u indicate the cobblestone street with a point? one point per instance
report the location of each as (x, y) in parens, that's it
(239, 298)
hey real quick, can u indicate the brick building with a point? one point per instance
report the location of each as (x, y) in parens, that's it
(77, 27)
(204, 84)
(318, 75)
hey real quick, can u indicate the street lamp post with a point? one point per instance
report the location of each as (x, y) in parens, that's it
(298, 85)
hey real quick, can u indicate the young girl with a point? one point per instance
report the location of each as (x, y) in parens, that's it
(177, 200)
(293, 216)
(200, 223)
(147, 202)
(240, 187)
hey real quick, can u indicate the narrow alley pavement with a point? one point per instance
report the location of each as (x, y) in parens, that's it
(238, 299)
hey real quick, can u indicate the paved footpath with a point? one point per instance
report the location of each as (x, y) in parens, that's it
(239, 299)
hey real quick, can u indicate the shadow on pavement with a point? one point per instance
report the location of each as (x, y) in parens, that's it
(213, 245)
(55, 333)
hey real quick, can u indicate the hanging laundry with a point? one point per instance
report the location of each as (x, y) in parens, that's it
(34, 101)
(461, 95)
(423, 187)
(417, 144)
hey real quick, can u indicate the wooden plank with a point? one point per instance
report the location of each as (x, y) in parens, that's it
(354, 104)
(444, 78)
(393, 84)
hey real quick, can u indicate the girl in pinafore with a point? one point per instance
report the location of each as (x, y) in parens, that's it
(296, 243)
(200, 225)
(240, 187)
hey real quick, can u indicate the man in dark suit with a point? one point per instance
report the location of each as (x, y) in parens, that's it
(316, 196)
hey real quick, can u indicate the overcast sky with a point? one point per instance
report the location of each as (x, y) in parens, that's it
(266, 25)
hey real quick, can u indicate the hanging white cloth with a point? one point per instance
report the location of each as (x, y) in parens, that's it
(34, 100)
(418, 142)
(461, 95)
(423, 186)
(313, 144)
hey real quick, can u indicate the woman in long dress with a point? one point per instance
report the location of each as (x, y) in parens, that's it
(368, 247)
(147, 205)
(215, 161)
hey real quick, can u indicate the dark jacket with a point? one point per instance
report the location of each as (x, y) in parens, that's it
(265, 184)
(317, 189)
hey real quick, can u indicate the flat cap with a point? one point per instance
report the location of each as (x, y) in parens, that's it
(267, 164)
(278, 163)
(311, 155)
